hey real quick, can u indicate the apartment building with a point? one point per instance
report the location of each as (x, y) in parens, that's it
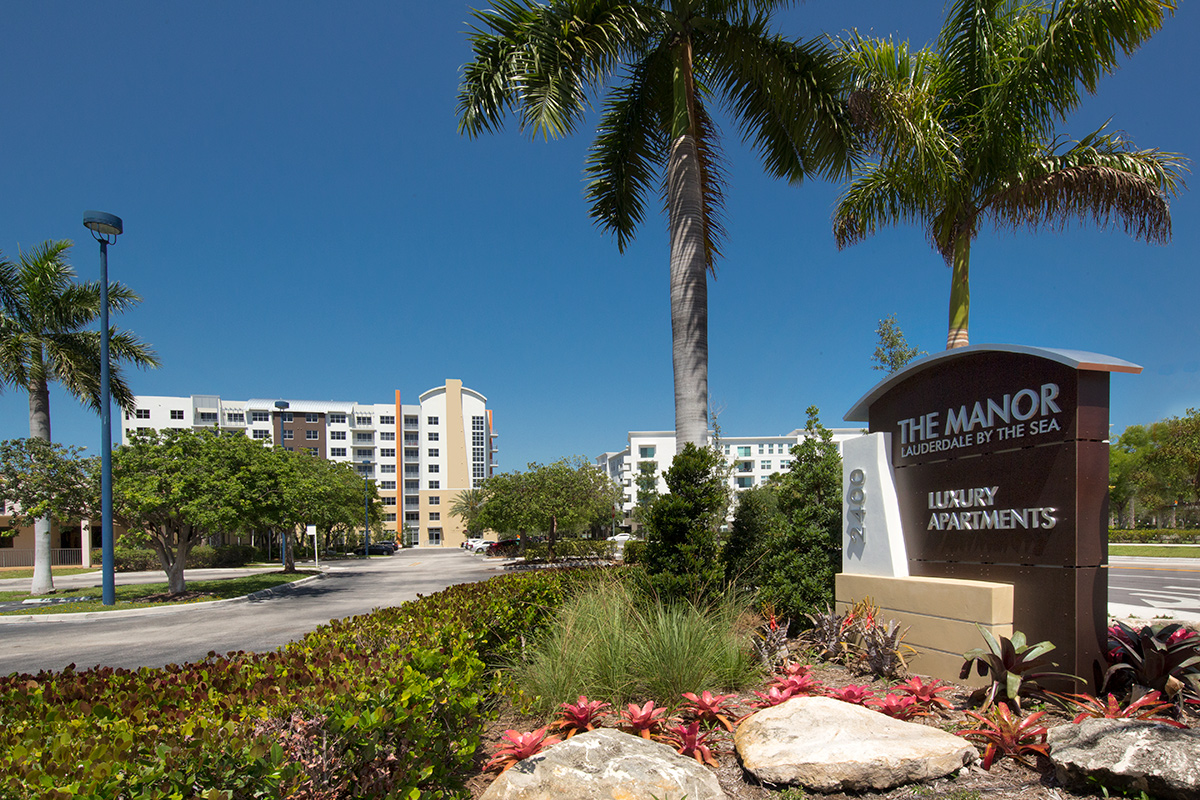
(419, 455)
(753, 458)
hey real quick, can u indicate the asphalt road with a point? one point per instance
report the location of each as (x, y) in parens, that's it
(188, 633)
(1155, 586)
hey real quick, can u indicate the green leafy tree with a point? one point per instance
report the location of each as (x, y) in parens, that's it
(647, 490)
(893, 352)
(682, 541)
(47, 480)
(1173, 461)
(44, 316)
(313, 491)
(757, 522)
(543, 63)
(1128, 475)
(802, 556)
(967, 132)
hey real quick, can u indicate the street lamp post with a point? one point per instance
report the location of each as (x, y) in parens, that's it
(105, 229)
(367, 508)
(282, 405)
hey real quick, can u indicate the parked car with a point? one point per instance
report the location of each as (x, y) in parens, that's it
(481, 545)
(379, 549)
(470, 544)
(622, 538)
(505, 549)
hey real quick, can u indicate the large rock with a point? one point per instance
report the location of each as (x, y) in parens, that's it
(1131, 755)
(828, 745)
(606, 765)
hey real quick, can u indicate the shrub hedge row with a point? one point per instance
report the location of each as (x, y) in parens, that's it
(1150, 536)
(143, 559)
(572, 548)
(388, 704)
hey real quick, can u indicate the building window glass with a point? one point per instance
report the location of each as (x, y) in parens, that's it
(176, 414)
(646, 452)
(141, 413)
(412, 516)
(785, 464)
(410, 422)
(387, 452)
(764, 465)
(365, 438)
(435, 516)
(312, 435)
(432, 436)
(743, 452)
(431, 420)
(336, 418)
(434, 468)
(412, 453)
(391, 468)
(435, 500)
(208, 416)
(745, 483)
(261, 434)
(362, 420)
(311, 418)
(312, 451)
(389, 501)
(433, 452)
(412, 486)
(361, 454)
(387, 436)
(386, 420)
(287, 434)
(337, 451)
(435, 484)
(287, 416)
(387, 484)
(389, 517)
(235, 416)
(435, 536)
(260, 416)
(745, 466)
(338, 435)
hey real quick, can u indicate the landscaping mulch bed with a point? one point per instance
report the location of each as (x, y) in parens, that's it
(1007, 779)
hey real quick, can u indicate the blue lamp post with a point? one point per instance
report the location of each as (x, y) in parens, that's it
(105, 229)
(282, 405)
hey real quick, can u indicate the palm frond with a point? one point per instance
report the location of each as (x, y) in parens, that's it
(786, 95)
(885, 194)
(630, 146)
(1102, 179)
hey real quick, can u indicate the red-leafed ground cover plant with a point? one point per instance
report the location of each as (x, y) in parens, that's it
(1006, 734)
(520, 746)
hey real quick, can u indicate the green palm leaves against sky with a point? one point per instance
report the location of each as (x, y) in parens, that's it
(659, 66)
(967, 131)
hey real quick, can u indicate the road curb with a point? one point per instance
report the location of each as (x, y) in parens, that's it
(89, 616)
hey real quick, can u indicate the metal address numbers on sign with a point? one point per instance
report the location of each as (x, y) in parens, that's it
(855, 499)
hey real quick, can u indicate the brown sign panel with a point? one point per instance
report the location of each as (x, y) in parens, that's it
(1001, 469)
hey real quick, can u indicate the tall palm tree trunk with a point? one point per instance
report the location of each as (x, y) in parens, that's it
(689, 294)
(960, 293)
(39, 428)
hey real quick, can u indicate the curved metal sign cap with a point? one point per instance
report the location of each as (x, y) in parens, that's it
(103, 223)
(1075, 359)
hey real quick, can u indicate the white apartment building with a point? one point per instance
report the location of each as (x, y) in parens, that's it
(753, 458)
(419, 455)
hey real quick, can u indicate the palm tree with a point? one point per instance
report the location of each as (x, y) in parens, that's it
(543, 64)
(967, 132)
(466, 505)
(43, 313)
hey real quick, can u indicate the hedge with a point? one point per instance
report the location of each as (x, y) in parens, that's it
(572, 548)
(143, 559)
(1149, 536)
(388, 704)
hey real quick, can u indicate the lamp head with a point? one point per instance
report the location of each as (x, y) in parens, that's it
(102, 224)
(282, 404)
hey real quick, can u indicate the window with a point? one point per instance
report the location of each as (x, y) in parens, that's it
(360, 420)
(387, 468)
(364, 438)
(338, 435)
(745, 466)
(412, 516)
(288, 433)
(646, 452)
(410, 422)
(7, 541)
(432, 436)
(411, 502)
(431, 420)
(435, 516)
(435, 536)
(312, 436)
(311, 418)
(386, 420)
(388, 501)
(176, 414)
(208, 416)
(336, 418)
(389, 517)
(433, 452)
(287, 416)
(412, 486)
(387, 452)
(435, 500)
(726, 449)
(235, 416)
(387, 484)
(743, 452)
(785, 464)
(260, 416)
(414, 470)
(387, 436)
(434, 468)
(745, 483)
(760, 449)
(260, 434)
(435, 484)
(361, 454)
(312, 451)
(764, 465)
(336, 452)
(141, 413)
(412, 453)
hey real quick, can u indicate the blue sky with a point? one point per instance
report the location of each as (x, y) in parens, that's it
(299, 206)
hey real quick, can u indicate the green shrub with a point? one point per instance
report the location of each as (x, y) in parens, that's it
(388, 704)
(1163, 535)
(572, 548)
(634, 552)
(144, 559)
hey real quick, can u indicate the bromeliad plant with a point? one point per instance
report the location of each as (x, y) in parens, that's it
(520, 747)
(898, 706)
(858, 695)
(689, 740)
(1149, 707)
(1008, 735)
(1016, 669)
(926, 695)
(644, 720)
(711, 708)
(1160, 658)
(582, 715)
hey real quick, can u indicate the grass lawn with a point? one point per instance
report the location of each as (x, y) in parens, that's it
(1185, 551)
(27, 572)
(154, 594)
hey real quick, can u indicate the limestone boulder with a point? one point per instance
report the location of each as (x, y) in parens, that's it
(605, 764)
(828, 745)
(1128, 755)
